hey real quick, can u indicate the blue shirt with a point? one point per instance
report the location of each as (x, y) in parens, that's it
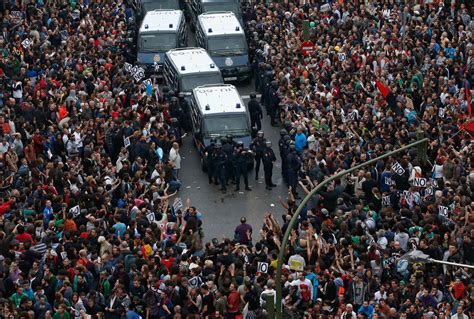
(300, 142)
(120, 229)
(369, 311)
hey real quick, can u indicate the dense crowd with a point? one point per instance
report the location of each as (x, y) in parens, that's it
(90, 168)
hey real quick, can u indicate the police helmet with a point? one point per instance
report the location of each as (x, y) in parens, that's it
(268, 143)
(240, 143)
(283, 132)
(218, 145)
(223, 140)
(171, 93)
(174, 99)
(213, 140)
(253, 95)
(229, 137)
(260, 133)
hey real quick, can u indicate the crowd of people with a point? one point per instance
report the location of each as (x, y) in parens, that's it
(90, 168)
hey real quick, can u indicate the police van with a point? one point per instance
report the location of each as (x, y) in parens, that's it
(218, 110)
(187, 68)
(196, 7)
(160, 31)
(141, 7)
(221, 34)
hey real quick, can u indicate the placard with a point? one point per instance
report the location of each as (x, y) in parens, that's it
(386, 201)
(262, 267)
(341, 56)
(177, 204)
(389, 181)
(441, 112)
(138, 73)
(17, 14)
(128, 67)
(26, 43)
(151, 217)
(63, 255)
(75, 211)
(325, 7)
(126, 142)
(429, 191)
(443, 211)
(419, 182)
(397, 168)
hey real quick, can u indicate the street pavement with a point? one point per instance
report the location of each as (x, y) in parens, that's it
(222, 212)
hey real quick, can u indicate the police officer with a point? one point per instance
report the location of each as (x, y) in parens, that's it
(294, 165)
(274, 102)
(255, 111)
(258, 146)
(241, 157)
(220, 171)
(268, 160)
(209, 154)
(175, 130)
(283, 147)
(186, 115)
(228, 148)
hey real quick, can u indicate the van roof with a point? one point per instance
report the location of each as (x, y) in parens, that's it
(218, 98)
(191, 60)
(220, 23)
(161, 20)
(220, 1)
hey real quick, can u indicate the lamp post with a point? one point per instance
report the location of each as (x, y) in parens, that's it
(281, 255)
(418, 256)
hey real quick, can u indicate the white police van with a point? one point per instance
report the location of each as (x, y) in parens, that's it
(218, 110)
(221, 34)
(141, 7)
(160, 31)
(197, 7)
(187, 68)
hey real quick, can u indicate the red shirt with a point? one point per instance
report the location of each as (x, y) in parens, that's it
(168, 262)
(24, 237)
(233, 302)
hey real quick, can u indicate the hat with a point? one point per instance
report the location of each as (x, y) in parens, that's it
(101, 239)
(337, 48)
(325, 212)
(402, 282)
(319, 300)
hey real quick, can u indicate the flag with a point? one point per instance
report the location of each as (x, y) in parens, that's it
(382, 88)
(468, 100)
(469, 126)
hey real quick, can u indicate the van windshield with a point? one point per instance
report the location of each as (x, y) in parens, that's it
(161, 4)
(221, 6)
(157, 42)
(235, 124)
(227, 45)
(190, 82)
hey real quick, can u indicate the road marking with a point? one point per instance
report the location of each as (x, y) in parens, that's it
(246, 97)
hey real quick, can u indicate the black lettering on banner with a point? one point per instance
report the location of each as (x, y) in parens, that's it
(429, 191)
(262, 267)
(397, 168)
(150, 217)
(386, 201)
(443, 211)
(419, 182)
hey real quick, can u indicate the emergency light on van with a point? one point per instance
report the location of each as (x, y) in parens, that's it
(208, 107)
(237, 105)
(171, 25)
(209, 30)
(237, 28)
(183, 68)
(146, 26)
(212, 65)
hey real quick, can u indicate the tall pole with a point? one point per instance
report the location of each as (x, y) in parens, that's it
(292, 223)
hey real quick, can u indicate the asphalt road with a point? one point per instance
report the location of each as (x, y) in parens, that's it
(222, 212)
